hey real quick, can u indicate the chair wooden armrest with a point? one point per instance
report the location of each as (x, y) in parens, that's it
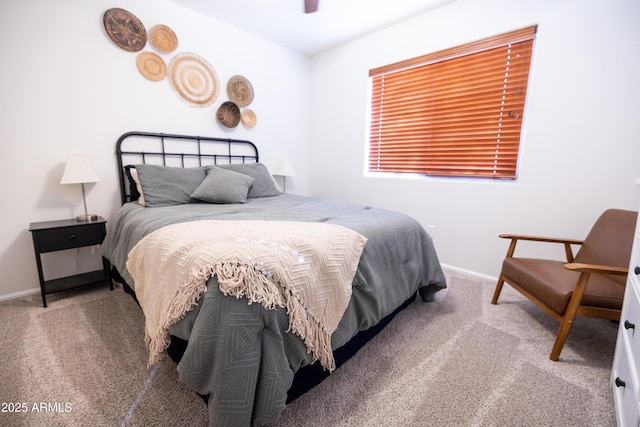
(566, 242)
(594, 268)
(541, 239)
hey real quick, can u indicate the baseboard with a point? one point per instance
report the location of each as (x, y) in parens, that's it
(20, 294)
(469, 273)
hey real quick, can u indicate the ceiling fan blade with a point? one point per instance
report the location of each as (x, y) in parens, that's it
(310, 6)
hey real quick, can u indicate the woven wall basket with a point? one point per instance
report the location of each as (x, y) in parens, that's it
(240, 90)
(248, 118)
(124, 29)
(163, 38)
(151, 65)
(194, 79)
(228, 114)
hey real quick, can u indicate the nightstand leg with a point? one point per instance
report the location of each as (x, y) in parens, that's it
(41, 279)
(106, 265)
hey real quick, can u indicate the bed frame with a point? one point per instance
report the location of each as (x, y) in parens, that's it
(187, 151)
(178, 150)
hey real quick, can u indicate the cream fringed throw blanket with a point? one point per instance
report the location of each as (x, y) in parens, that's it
(306, 267)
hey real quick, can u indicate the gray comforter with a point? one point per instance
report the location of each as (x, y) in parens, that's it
(242, 354)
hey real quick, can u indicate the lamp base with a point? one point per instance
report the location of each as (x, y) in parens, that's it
(87, 217)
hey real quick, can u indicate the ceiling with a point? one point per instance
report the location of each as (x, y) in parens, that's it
(336, 21)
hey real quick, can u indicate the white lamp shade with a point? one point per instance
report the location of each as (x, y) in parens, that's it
(78, 170)
(284, 168)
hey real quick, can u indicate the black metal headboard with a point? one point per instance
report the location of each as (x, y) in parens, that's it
(178, 150)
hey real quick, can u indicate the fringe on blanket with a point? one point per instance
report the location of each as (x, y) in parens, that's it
(240, 280)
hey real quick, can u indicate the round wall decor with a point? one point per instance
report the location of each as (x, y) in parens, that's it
(249, 118)
(240, 90)
(163, 38)
(151, 65)
(125, 29)
(194, 79)
(229, 114)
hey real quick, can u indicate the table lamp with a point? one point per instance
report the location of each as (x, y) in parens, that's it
(284, 169)
(79, 171)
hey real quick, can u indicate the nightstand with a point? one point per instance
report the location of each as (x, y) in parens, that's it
(51, 236)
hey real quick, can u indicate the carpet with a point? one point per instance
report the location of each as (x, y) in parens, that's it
(458, 361)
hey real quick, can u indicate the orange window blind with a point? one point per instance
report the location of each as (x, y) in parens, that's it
(456, 112)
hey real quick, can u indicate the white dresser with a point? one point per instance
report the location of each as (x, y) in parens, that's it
(625, 373)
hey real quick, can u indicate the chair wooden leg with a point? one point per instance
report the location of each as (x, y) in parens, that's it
(496, 293)
(561, 337)
(510, 251)
(569, 316)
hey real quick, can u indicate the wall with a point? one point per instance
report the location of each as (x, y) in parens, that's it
(66, 88)
(580, 148)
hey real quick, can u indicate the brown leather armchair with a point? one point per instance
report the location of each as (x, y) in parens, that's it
(592, 284)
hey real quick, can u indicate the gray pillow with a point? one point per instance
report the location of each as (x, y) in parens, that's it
(223, 186)
(263, 186)
(165, 186)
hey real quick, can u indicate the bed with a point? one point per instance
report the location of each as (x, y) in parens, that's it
(244, 352)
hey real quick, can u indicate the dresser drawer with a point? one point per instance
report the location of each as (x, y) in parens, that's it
(57, 239)
(630, 326)
(625, 399)
(634, 262)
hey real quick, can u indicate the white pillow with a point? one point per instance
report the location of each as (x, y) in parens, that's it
(134, 175)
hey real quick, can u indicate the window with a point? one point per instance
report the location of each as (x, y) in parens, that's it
(457, 112)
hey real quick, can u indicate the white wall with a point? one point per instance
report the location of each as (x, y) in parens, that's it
(67, 88)
(580, 146)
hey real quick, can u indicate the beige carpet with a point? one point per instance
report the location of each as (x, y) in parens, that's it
(459, 361)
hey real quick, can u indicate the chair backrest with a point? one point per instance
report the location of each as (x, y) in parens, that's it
(609, 241)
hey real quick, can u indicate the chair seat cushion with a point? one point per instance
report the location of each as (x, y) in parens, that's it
(553, 284)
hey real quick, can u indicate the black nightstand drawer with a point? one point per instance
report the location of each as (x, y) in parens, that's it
(70, 237)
